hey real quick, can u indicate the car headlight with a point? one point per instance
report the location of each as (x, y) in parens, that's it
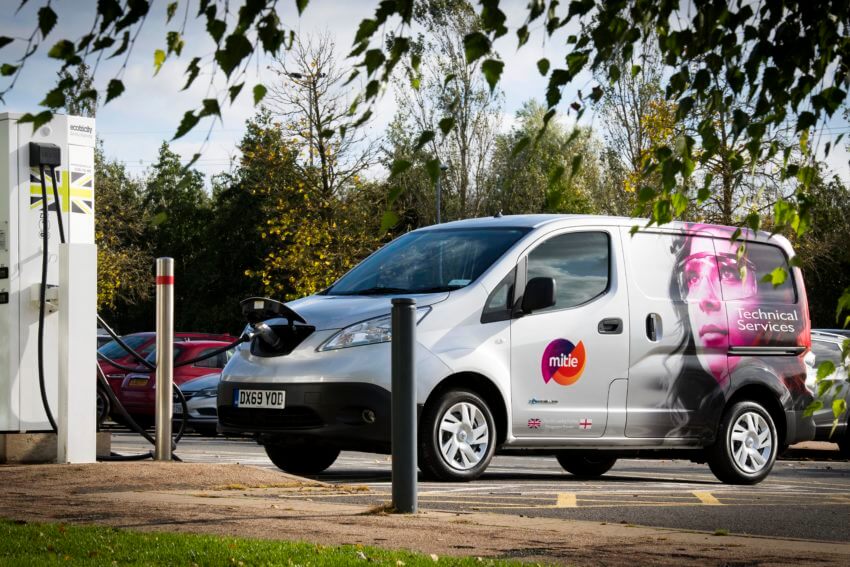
(369, 332)
(207, 393)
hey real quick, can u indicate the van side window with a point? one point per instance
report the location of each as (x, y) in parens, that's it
(578, 261)
(761, 259)
(498, 306)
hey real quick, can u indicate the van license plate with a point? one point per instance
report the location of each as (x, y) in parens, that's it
(266, 399)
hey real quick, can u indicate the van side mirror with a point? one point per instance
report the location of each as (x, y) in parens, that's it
(539, 294)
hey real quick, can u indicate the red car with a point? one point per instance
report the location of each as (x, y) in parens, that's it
(138, 389)
(143, 343)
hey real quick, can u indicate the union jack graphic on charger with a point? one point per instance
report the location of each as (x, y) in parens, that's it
(534, 423)
(586, 423)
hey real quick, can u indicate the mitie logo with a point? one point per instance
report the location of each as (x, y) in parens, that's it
(563, 362)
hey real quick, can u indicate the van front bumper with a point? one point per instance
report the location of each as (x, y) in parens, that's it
(351, 416)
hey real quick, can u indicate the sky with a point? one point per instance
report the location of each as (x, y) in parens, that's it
(133, 126)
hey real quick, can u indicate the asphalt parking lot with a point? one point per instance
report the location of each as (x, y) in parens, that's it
(802, 499)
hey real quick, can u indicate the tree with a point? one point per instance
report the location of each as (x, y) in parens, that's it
(124, 257)
(521, 179)
(76, 104)
(303, 240)
(449, 95)
(180, 213)
(311, 99)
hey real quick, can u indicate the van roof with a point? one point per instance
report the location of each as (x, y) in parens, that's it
(536, 221)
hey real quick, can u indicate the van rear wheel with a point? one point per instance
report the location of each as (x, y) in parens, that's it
(301, 459)
(457, 437)
(586, 464)
(746, 445)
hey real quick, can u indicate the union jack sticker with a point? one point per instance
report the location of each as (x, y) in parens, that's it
(534, 423)
(75, 187)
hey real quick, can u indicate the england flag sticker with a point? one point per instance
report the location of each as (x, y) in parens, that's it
(585, 423)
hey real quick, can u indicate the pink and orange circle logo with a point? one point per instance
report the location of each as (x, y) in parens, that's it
(563, 362)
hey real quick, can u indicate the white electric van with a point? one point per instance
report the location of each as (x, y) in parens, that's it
(549, 334)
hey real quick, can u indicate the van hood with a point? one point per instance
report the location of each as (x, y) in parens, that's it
(338, 311)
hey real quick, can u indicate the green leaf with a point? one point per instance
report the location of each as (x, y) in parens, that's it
(388, 220)
(158, 60)
(446, 125)
(125, 43)
(543, 66)
(825, 369)
(54, 99)
(475, 45)
(492, 70)
(189, 121)
(521, 144)
(38, 120)
(234, 91)
(210, 108)
(839, 406)
(62, 50)
(4, 41)
(270, 33)
(776, 277)
(522, 36)
(175, 42)
(301, 5)
(170, 11)
(646, 194)
(236, 48)
(398, 167)
(424, 138)
(365, 31)
(46, 20)
(432, 166)
(259, 92)
(7, 70)
(373, 60)
(394, 194)
(192, 70)
(812, 408)
(113, 89)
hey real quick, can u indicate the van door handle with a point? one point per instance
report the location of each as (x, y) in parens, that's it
(610, 326)
(653, 327)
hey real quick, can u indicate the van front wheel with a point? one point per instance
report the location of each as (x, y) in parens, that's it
(301, 459)
(746, 445)
(457, 437)
(585, 464)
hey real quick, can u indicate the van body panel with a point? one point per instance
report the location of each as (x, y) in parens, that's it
(570, 401)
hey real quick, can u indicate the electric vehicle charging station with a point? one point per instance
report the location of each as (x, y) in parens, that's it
(69, 325)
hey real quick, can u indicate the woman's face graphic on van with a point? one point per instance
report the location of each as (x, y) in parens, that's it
(710, 269)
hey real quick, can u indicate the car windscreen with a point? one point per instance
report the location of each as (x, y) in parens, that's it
(113, 350)
(428, 261)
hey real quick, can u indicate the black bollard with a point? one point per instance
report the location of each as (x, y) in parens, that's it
(404, 405)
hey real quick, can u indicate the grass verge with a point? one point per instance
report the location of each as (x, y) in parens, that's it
(50, 544)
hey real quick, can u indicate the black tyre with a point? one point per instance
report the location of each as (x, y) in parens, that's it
(457, 437)
(746, 445)
(205, 430)
(586, 464)
(103, 407)
(844, 443)
(301, 459)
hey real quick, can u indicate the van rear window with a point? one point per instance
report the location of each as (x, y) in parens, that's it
(761, 260)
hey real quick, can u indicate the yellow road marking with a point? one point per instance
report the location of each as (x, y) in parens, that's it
(566, 500)
(707, 498)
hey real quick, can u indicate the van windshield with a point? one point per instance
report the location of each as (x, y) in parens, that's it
(429, 261)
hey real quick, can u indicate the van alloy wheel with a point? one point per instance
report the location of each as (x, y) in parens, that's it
(457, 436)
(751, 441)
(746, 444)
(464, 436)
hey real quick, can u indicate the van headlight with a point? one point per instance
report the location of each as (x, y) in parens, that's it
(369, 332)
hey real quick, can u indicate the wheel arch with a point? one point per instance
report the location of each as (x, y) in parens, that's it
(484, 387)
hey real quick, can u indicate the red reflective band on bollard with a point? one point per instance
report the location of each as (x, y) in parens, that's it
(165, 280)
